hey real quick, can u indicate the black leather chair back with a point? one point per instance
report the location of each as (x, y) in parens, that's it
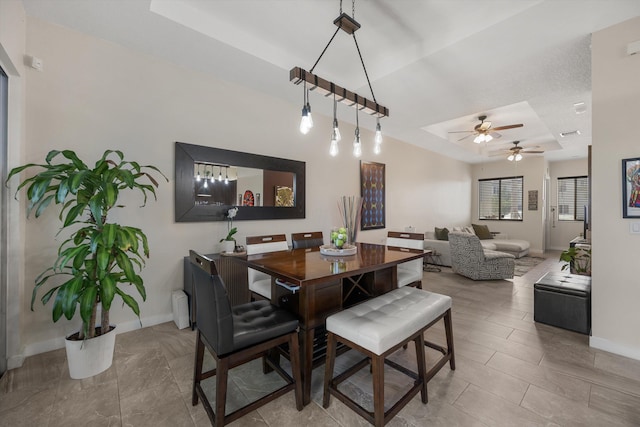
(307, 240)
(213, 309)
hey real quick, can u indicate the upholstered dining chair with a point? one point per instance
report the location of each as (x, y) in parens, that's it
(259, 282)
(410, 272)
(470, 259)
(307, 240)
(235, 336)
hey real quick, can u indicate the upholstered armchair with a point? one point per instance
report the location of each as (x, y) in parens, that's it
(469, 259)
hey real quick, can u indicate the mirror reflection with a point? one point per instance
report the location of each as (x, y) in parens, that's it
(225, 185)
(209, 180)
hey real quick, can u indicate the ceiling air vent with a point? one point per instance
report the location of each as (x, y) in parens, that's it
(570, 133)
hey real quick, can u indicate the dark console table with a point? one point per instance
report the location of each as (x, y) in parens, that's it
(233, 274)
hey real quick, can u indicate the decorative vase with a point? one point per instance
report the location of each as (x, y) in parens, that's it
(228, 246)
(90, 357)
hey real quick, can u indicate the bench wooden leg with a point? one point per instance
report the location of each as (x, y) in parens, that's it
(377, 364)
(448, 327)
(422, 367)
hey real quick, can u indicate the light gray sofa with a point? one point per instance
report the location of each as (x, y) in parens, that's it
(500, 242)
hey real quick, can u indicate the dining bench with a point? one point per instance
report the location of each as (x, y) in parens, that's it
(378, 328)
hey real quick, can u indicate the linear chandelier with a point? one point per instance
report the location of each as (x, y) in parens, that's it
(209, 177)
(312, 82)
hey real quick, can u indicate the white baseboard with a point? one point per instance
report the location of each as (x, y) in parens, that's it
(611, 347)
(15, 362)
(58, 342)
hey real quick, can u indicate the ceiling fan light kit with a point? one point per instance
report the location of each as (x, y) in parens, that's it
(484, 132)
(517, 151)
(482, 138)
(312, 82)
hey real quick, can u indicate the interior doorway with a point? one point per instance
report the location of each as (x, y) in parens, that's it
(4, 98)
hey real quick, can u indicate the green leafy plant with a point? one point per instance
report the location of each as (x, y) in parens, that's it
(577, 259)
(99, 257)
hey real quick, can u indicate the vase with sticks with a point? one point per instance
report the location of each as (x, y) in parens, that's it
(350, 208)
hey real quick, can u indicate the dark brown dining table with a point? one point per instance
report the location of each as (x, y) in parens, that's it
(318, 285)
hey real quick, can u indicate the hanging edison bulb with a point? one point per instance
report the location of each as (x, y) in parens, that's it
(377, 147)
(357, 145)
(333, 148)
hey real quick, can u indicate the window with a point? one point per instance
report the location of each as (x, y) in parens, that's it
(500, 198)
(573, 196)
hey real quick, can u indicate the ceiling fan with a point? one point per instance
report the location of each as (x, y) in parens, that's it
(484, 132)
(515, 153)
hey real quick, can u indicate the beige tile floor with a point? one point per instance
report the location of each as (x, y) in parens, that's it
(510, 372)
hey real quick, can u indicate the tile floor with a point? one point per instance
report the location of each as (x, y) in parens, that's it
(510, 372)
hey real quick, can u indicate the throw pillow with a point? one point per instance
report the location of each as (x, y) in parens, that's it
(467, 229)
(441, 233)
(482, 231)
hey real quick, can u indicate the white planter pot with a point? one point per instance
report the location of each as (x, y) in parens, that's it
(90, 357)
(228, 245)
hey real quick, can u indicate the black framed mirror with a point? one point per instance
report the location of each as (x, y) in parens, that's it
(209, 181)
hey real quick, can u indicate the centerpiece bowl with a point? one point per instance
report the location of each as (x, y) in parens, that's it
(345, 250)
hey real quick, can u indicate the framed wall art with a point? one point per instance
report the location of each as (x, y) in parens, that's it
(533, 200)
(283, 196)
(631, 188)
(372, 190)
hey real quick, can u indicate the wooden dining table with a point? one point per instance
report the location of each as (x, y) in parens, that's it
(318, 285)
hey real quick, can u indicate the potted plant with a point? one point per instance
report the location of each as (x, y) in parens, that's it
(99, 257)
(577, 259)
(229, 242)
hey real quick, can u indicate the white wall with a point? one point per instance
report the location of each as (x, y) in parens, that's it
(532, 169)
(616, 109)
(564, 231)
(94, 95)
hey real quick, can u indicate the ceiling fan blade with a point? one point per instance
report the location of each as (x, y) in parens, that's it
(532, 152)
(465, 137)
(508, 127)
(495, 135)
(461, 131)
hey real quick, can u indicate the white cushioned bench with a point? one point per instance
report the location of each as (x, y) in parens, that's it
(379, 327)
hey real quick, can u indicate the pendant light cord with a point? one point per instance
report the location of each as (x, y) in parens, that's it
(357, 122)
(364, 68)
(325, 49)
